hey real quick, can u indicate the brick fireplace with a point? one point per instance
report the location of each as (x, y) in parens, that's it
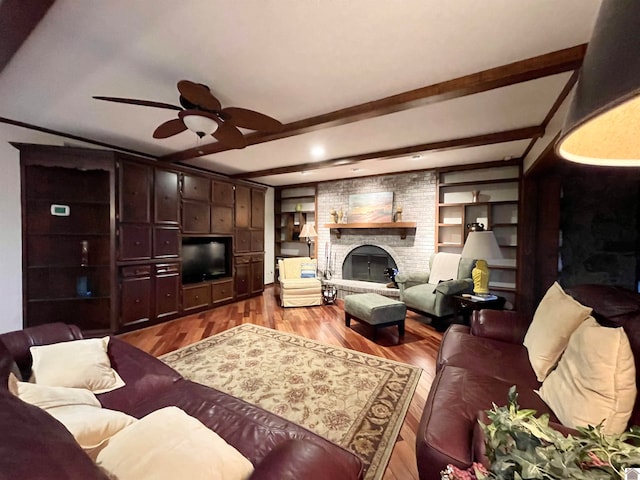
(415, 192)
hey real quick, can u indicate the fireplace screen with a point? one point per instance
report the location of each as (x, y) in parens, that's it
(367, 263)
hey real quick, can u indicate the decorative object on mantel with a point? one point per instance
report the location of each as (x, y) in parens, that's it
(334, 215)
(340, 215)
(402, 226)
(518, 444)
(474, 195)
(308, 232)
(371, 207)
(397, 217)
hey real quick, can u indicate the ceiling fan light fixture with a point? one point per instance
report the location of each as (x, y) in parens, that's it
(200, 124)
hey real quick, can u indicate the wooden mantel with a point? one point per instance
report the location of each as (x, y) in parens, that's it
(402, 226)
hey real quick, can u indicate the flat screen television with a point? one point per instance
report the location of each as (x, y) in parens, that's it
(205, 258)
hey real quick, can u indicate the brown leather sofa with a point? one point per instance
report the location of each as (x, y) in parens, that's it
(477, 365)
(35, 446)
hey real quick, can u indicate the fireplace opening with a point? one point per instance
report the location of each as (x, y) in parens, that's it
(367, 263)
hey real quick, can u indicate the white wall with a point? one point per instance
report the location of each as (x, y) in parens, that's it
(10, 240)
(269, 235)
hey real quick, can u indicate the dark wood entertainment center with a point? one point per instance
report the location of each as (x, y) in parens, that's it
(102, 235)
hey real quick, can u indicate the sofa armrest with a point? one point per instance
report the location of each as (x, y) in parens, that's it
(406, 281)
(506, 326)
(296, 459)
(452, 287)
(143, 374)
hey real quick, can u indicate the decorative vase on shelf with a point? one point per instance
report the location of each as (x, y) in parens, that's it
(340, 215)
(475, 227)
(474, 196)
(334, 215)
(398, 215)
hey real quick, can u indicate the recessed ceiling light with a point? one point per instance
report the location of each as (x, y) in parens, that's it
(317, 151)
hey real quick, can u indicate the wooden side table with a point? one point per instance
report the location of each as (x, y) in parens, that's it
(465, 305)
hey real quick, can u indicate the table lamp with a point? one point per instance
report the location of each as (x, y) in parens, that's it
(308, 232)
(482, 246)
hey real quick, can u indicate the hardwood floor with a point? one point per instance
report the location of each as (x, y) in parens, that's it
(324, 324)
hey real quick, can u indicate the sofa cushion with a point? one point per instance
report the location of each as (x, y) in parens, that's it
(421, 295)
(555, 319)
(448, 419)
(508, 362)
(444, 267)
(35, 445)
(76, 408)
(169, 444)
(79, 364)
(308, 269)
(301, 283)
(594, 380)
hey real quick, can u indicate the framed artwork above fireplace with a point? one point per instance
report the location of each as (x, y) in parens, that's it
(371, 207)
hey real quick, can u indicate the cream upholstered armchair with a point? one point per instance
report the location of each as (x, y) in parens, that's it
(430, 293)
(299, 285)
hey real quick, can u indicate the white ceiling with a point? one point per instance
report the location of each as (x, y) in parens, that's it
(292, 59)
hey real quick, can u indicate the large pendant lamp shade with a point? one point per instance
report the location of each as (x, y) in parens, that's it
(603, 123)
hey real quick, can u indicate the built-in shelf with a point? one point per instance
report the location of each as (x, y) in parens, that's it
(402, 226)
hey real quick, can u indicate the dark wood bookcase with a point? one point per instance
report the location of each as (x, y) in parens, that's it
(68, 240)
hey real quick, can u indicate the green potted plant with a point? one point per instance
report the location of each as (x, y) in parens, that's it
(520, 445)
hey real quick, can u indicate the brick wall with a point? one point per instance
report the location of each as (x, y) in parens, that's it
(414, 191)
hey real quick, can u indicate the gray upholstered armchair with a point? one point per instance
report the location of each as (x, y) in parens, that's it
(430, 292)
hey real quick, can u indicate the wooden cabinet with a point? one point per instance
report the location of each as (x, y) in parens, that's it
(167, 290)
(243, 206)
(242, 276)
(103, 232)
(166, 197)
(68, 237)
(135, 295)
(489, 196)
(135, 193)
(149, 293)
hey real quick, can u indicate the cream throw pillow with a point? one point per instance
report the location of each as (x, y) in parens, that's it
(79, 364)
(169, 444)
(76, 408)
(556, 318)
(595, 379)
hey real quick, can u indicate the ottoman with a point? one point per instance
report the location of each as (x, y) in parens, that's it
(375, 310)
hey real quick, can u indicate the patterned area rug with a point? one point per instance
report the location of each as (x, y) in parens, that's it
(356, 400)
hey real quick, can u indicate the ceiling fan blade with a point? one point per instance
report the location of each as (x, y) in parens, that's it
(230, 136)
(198, 94)
(242, 117)
(144, 103)
(169, 128)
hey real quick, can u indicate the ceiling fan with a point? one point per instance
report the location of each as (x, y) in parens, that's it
(203, 114)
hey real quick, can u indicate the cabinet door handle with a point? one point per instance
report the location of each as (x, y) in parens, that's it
(168, 295)
(167, 242)
(137, 300)
(136, 243)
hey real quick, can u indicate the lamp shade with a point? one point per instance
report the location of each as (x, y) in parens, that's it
(308, 231)
(199, 124)
(481, 245)
(603, 123)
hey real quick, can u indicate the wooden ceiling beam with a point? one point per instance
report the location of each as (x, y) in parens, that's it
(18, 18)
(525, 70)
(475, 141)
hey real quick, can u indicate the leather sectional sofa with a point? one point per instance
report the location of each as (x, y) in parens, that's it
(36, 446)
(477, 365)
